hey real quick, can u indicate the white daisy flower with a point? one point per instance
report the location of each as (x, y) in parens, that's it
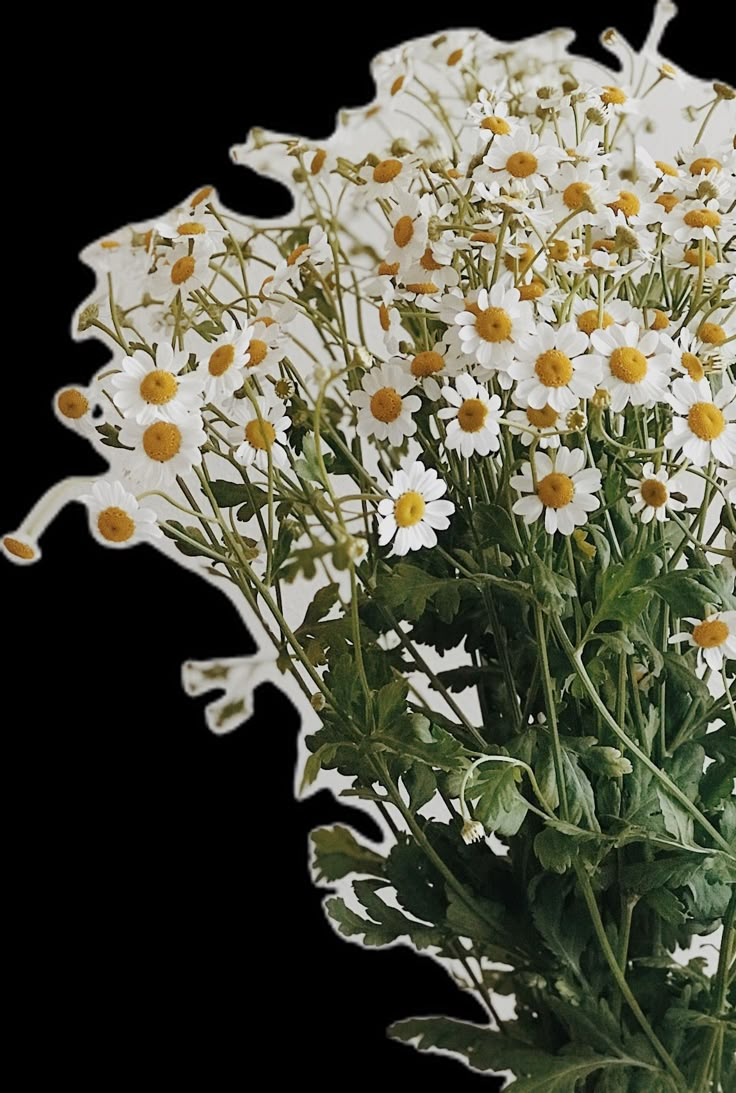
(316, 251)
(630, 208)
(20, 548)
(489, 116)
(119, 258)
(320, 162)
(162, 450)
(703, 427)
(636, 364)
(521, 158)
(197, 204)
(266, 346)
(385, 405)
(580, 188)
(392, 72)
(716, 331)
(490, 329)
(551, 368)
(472, 418)
(696, 220)
(388, 178)
(392, 327)
(585, 310)
(539, 425)
(205, 233)
(179, 272)
(408, 232)
(153, 390)
(223, 362)
(700, 163)
(685, 355)
(116, 519)
(651, 495)
(545, 301)
(261, 428)
(613, 102)
(563, 490)
(656, 172)
(413, 513)
(77, 408)
(714, 637)
(728, 474)
(429, 366)
(435, 264)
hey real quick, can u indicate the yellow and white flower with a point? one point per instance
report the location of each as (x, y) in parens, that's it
(522, 160)
(223, 362)
(651, 495)
(77, 408)
(688, 357)
(552, 370)
(163, 449)
(389, 177)
(179, 271)
(490, 329)
(260, 432)
(385, 405)
(636, 364)
(564, 490)
(20, 548)
(704, 425)
(430, 366)
(472, 418)
(539, 425)
(414, 511)
(613, 101)
(153, 389)
(116, 518)
(695, 220)
(408, 238)
(714, 637)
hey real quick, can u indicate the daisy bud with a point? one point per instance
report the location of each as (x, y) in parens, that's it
(601, 399)
(569, 85)
(20, 548)
(299, 174)
(317, 701)
(609, 37)
(87, 317)
(576, 420)
(724, 91)
(625, 238)
(545, 92)
(706, 191)
(400, 147)
(472, 832)
(588, 204)
(596, 117)
(284, 388)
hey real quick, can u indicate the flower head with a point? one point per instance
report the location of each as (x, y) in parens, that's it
(414, 511)
(564, 490)
(116, 519)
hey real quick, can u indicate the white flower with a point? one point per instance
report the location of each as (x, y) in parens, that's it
(651, 495)
(614, 102)
(316, 251)
(539, 425)
(151, 389)
(223, 362)
(696, 220)
(115, 517)
(564, 490)
(384, 405)
(205, 233)
(489, 115)
(636, 364)
(657, 172)
(388, 178)
(729, 477)
(320, 162)
(498, 319)
(408, 232)
(162, 450)
(685, 356)
(520, 159)
(413, 513)
(703, 427)
(179, 272)
(75, 407)
(714, 637)
(472, 832)
(585, 310)
(551, 369)
(472, 418)
(260, 429)
(431, 365)
(266, 346)
(580, 188)
(435, 264)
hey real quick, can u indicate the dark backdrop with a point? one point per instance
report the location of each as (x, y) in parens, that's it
(163, 922)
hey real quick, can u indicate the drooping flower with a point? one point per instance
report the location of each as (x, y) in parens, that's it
(116, 518)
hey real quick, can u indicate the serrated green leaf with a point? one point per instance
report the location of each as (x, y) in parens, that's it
(337, 853)
(228, 494)
(391, 703)
(496, 528)
(684, 593)
(409, 589)
(421, 782)
(171, 527)
(385, 925)
(555, 850)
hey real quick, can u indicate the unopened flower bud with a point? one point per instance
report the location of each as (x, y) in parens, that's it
(545, 92)
(626, 238)
(299, 174)
(595, 117)
(88, 316)
(472, 832)
(400, 147)
(609, 36)
(724, 90)
(588, 204)
(576, 420)
(706, 191)
(569, 85)
(317, 701)
(284, 388)
(601, 399)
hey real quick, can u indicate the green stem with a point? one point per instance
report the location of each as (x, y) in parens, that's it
(549, 698)
(714, 1041)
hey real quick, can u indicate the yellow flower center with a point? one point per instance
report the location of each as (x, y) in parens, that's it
(428, 261)
(654, 492)
(221, 360)
(427, 364)
(604, 244)
(710, 634)
(666, 168)
(703, 165)
(667, 201)
(115, 525)
(403, 231)
(422, 288)
(386, 404)
(558, 250)
(260, 434)
(191, 227)
(692, 257)
(18, 549)
(454, 57)
(200, 196)
(706, 421)
(588, 321)
(712, 334)
(397, 85)
(182, 270)
(522, 164)
(692, 366)
(511, 261)
(573, 194)
(554, 368)
(494, 325)
(257, 351)
(318, 161)
(158, 387)
(498, 126)
(384, 318)
(613, 96)
(388, 269)
(387, 170)
(532, 291)
(659, 320)
(472, 415)
(72, 403)
(555, 490)
(409, 509)
(161, 441)
(542, 419)
(628, 365)
(266, 320)
(109, 244)
(296, 254)
(483, 237)
(702, 218)
(626, 203)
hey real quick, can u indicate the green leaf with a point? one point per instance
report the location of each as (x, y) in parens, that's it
(172, 526)
(683, 676)
(685, 594)
(256, 501)
(337, 853)
(495, 527)
(498, 804)
(608, 761)
(564, 931)
(580, 796)
(667, 905)
(685, 768)
(415, 737)
(591, 1024)
(561, 1074)
(621, 596)
(391, 702)
(227, 494)
(313, 765)
(670, 870)
(555, 849)
(421, 782)
(409, 589)
(323, 602)
(551, 590)
(110, 436)
(385, 924)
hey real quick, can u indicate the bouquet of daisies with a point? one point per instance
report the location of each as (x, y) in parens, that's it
(459, 436)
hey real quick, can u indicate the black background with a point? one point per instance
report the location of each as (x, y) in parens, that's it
(163, 921)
